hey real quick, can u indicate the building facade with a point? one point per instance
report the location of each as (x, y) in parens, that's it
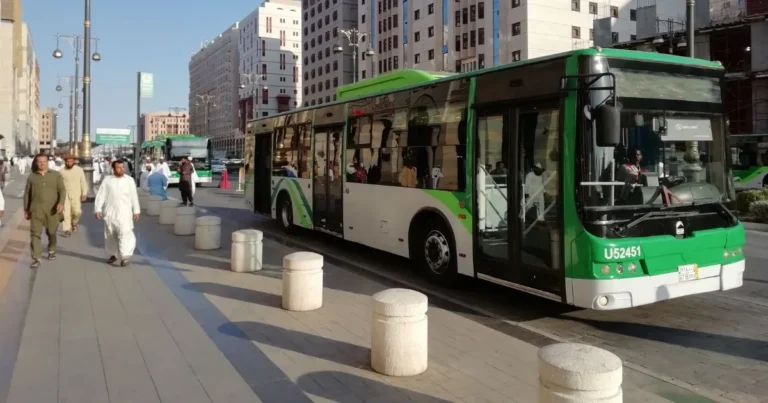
(270, 61)
(19, 83)
(467, 35)
(214, 87)
(46, 134)
(323, 69)
(153, 124)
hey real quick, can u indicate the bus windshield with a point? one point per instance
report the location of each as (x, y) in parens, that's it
(673, 148)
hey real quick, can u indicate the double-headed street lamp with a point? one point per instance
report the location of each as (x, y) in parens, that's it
(253, 80)
(354, 39)
(206, 100)
(86, 160)
(73, 113)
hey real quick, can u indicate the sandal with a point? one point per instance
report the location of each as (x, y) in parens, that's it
(35, 264)
(112, 259)
(125, 262)
(51, 255)
(74, 228)
(67, 234)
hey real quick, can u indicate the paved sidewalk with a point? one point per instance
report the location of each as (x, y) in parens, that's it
(177, 326)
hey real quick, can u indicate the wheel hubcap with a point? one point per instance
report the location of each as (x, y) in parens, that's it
(437, 252)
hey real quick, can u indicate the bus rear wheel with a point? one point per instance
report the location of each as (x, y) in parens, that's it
(285, 213)
(434, 250)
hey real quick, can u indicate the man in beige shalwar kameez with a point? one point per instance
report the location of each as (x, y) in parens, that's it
(77, 191)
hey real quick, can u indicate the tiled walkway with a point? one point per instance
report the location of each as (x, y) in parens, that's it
(176, 326)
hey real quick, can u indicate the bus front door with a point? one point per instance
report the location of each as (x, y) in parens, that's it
(262, 172)
(327, 183)
(517, 241)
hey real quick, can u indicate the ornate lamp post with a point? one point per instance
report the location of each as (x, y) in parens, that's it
(354, 39)
(206, 100)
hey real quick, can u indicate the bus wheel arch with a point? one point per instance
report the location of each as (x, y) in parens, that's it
(432, 245)
(284, 211)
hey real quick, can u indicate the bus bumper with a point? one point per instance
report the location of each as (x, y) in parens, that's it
(627, 293)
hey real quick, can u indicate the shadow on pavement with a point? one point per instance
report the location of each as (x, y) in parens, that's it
(237, 293)
(317, 383)
(728, 345)
(309, 344)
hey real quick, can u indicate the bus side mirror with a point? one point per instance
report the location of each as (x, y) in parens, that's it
(608, 119)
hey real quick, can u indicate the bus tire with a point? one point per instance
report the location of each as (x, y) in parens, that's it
(434, 250)
(285, 212)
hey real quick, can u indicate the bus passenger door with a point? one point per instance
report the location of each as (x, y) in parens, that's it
(327, 183)
(262, 173)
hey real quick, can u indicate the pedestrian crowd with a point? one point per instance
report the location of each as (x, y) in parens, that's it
(57, 187)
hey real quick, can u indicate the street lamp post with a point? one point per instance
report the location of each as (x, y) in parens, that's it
(252, 80)
(86, 161)
(682, 43)
(354, 39)
(72, 109)
(206, 100)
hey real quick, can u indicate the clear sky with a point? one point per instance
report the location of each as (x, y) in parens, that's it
(156, 36)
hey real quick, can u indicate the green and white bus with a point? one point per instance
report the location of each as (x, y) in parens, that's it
(175, 147)
(749, 153)
(526, 175)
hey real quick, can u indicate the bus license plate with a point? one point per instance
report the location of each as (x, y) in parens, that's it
(688, 272)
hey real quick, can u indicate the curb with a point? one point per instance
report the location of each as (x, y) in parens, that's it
(753, 226)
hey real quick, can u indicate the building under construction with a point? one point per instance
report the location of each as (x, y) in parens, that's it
(732, 32)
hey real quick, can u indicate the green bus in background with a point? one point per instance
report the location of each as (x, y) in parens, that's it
(176, 147)
(749, 153)
(561, 176)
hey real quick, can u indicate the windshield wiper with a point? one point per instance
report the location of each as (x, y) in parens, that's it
(622, 229)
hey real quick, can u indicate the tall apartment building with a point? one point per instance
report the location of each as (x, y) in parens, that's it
(153, 124)
(324, 70)
(270, 57)
(47, 129)
(214, 80)
(466, 35)
(19, 83)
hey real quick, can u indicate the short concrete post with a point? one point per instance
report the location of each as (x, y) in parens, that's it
(579, 373)
(302, 281)
(185, 221)
(399, 334)
(168, 212)
(208, 233)
(153, 205)
(143, 198)
(247, 247)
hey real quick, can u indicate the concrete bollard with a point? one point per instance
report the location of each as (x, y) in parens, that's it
(143, 198)
(208, 233)
(302, 281)
(579, 373)
(153, 205)
(399, 336)
(184, 224)
(168, 212)
(247, 247)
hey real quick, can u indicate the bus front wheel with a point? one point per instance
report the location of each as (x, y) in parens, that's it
(285, 213)
(434, 250)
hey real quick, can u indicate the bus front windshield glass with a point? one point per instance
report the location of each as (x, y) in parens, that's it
(673, 148)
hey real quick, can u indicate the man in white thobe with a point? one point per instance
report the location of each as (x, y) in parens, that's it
(117, 203)
(96, 165)
(164, 168)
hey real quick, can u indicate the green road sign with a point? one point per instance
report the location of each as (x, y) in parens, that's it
(113, 137)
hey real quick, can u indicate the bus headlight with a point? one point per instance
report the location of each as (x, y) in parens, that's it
(619, 268)
(737, 252)
(726, 254)
(632, 267)
(606, 270)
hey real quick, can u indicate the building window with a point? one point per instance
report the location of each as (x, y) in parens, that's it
(416, 36)
(481, 61)
(472, 13)
(575, 5)
(431, 32)
(472, 38)
(575, 32)
(481, 36)
(417, 58)
(464, 41)
(516, 56)
(515, 3)
(480, 10)
(464, 16)
(362, 19)
(516, 29)
(614, 37)
(457, 19)
(593, 8)
(614, 12)
(633, 37)
(633, 15)
(265, 96)
(431, 54)
(458, 42)
(416, 14)
(431, 9)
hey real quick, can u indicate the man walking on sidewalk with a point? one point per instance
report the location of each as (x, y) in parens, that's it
(185, 182)
(77, 192)
(4, 173)
(44, 198)
(118, 204)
